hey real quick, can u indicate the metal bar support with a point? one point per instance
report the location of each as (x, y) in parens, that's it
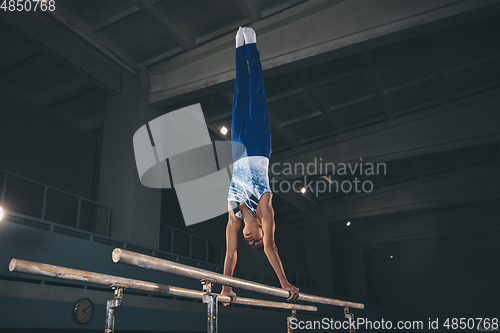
(212, 304)
(111, 305)
(350, 316)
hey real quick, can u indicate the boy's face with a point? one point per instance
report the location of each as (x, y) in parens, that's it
(256, 241)
(253, 234)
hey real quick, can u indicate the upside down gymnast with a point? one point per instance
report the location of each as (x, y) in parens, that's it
(250, 198)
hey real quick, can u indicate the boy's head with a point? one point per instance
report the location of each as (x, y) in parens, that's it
(253, 233)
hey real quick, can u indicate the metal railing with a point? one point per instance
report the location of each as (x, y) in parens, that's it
(42, 211)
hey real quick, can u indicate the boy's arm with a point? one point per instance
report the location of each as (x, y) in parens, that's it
(267, 218)
(232, 229)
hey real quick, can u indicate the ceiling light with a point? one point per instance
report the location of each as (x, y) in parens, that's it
(1, 213)
(223, 130)
(348, 223)
(392, 257)
(303, 190)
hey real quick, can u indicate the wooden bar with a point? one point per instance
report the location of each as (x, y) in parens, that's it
(157, 264)
(30, 267)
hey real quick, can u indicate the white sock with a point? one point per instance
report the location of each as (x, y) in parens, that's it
(239, 38)
(250, 36)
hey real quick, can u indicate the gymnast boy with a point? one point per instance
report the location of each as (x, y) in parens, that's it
(250, 198)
